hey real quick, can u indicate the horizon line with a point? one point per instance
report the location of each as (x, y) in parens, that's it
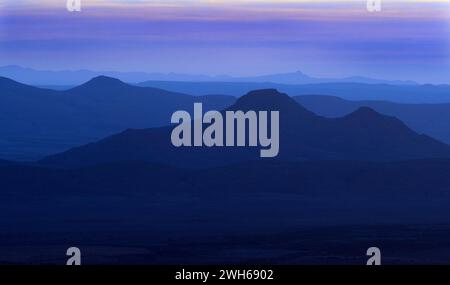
(220, 76)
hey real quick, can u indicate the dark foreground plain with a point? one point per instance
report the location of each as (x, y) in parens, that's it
(333, 245)
(271, 213)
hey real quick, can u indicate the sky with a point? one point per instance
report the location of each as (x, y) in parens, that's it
(406, 40)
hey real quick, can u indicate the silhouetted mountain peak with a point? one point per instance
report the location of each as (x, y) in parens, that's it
(268, 91)
(372, 119)
(269, 100)
(104, 81)
(367, 114)
(363, 135)
(366, 111)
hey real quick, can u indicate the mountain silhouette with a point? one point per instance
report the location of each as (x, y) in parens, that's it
(299, 77)
(431, 119)
(66, 77)
(270, 99)
(102, 82)
(103, 87)
(11, 90)
(36, 122)
(361, 135)
(348, 90)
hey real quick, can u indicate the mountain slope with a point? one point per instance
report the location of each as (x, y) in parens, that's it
(362, 135)
(431, 119)
(35, 122)
(299, 77)
(347, 90)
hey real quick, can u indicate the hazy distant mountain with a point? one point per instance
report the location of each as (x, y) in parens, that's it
(301, 78)
(361, 135)
(36, 122)
(431, 119)
(349, 91)
(75, 77)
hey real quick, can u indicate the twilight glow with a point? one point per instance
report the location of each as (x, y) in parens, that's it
(406, 40)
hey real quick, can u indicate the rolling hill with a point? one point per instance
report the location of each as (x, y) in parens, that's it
(431, 119)
(35, 122)
(347, 90)
(75, 77)
(361, 135)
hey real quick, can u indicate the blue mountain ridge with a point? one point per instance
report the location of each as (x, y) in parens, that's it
(36, 122)
(361, 135)
(347, 90)
(431, 119)
(75, 77)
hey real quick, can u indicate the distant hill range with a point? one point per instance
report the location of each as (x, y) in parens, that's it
(35, 122)
(124, 186)
(361, 135)
(432, 119)
(359, 167)
(349, 91)
(75, 77)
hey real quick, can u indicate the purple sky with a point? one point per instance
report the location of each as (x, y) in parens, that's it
(406, 40)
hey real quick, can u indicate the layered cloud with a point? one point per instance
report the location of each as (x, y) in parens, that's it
(248, 37)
